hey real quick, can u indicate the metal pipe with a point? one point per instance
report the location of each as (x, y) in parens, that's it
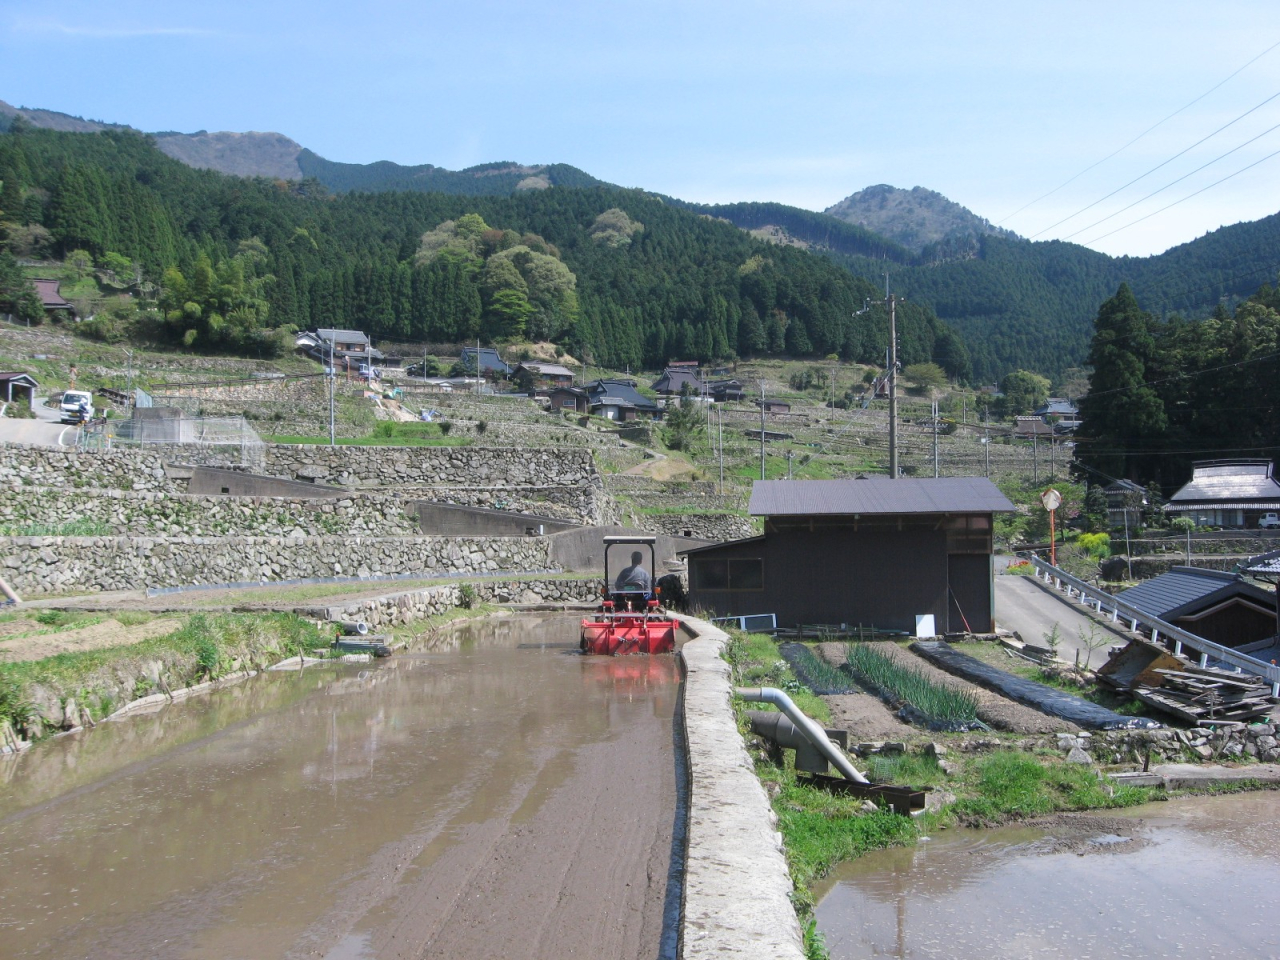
(8, 592)
(812, 732)
(350, 628)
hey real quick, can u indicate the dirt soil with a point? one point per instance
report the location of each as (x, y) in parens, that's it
(867, 717)
(109, 633)
(994, 710)
(1084, 834)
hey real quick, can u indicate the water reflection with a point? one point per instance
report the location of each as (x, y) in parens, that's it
(276, 816)
(1169, 879)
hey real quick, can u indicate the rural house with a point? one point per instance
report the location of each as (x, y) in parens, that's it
(55, 307)
(679, 381)
(544, 374)
(490, 361)
(619, 400)
(1222, 607)
(1227, 493)
(871, 551)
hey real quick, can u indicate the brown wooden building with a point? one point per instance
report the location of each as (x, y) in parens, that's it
(870, 551)
(1219, 606)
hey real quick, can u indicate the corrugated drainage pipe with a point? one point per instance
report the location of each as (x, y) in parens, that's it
(812, 732)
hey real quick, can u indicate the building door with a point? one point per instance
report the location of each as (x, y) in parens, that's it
(969, 594)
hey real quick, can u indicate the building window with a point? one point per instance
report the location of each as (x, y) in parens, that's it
(737, 573)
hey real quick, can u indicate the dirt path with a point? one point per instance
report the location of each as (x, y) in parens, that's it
(109, 633)
(994, 710)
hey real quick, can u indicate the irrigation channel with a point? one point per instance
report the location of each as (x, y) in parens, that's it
(1191, 877)
(495, 795)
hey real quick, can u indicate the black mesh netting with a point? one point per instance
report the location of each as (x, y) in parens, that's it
(1055, 703)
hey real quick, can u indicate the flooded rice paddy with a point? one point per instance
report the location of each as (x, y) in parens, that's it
(498, 795)
(1192, 877)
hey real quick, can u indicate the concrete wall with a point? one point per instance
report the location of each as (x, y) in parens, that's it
(583, 549)
(447, 520)
(737, 889)
(41, 565)
(238, 483)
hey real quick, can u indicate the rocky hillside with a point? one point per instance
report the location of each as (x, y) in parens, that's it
(915, 218)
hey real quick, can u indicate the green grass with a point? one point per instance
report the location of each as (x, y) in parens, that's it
(1009, 785)
(756, 663)
(939, 703)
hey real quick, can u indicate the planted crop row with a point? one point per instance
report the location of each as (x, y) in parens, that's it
(939, 703)
(816, 674)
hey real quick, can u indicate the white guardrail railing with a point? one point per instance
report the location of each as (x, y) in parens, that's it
(1104, 602)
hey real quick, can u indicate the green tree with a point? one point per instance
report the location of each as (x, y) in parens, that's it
(1023, 391)
(684, 425)
(18, 296)
(1121, 414)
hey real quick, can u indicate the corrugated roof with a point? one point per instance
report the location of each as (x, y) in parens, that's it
(877, 495)
(547, 369)
(1246, 483)
(1184, 590)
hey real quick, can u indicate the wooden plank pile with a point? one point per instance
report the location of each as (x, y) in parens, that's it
(1204, 695)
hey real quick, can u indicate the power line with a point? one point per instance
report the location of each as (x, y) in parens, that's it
(1138, 137)
(1187, 197)
(1172, 183)
(1163, 163)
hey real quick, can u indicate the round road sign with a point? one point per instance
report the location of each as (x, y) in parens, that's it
(1051, 499)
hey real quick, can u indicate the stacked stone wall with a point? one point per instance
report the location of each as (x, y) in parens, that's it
(394, 609)
(40, 565)
(699, 526)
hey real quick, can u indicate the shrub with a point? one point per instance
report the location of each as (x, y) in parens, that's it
(1097, 545)
(466, 596)
(445, 427)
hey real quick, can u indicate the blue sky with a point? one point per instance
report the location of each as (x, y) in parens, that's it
(990, 103)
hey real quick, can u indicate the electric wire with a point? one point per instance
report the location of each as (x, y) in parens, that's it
(1163, 163)
(1187, 197)
(1171, 183)
(1139, 136)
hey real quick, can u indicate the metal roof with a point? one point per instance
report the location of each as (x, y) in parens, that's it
(1183, 590)
(50, 298)
(1231, 484)
(346, 336)
(1265, 564)
(877, 495)
(547, 369)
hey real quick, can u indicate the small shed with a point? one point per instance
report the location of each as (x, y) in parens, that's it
(569, 399)
(18, 386)
(871, 551)
(1222, 607)
(774, 406)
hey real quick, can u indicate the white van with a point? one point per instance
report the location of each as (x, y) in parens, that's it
(76, 406)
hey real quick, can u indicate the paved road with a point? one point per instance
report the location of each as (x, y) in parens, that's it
(1029, 611)
(42, 433)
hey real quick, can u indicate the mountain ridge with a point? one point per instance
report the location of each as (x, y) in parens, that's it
(917, 218)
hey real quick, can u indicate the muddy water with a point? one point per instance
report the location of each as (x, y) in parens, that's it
(499, 795)
(1188, 878)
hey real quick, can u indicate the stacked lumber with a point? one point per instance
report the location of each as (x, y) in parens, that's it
(1205, 694)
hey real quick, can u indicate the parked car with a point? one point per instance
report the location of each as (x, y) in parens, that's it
(76, 406)
(1269, 521)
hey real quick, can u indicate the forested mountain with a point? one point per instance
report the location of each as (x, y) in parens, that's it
(241, 260)
(487, 179)
(915, 218)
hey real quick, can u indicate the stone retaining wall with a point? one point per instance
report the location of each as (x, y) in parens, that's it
(39, 565)
(1233, 741)
(398, 608)
(135, 513)
(142, 468)
(699, 526)
(737, 890)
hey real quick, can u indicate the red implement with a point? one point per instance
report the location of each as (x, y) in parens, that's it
(613, 634)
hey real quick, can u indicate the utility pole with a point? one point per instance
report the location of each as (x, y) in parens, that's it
(986, 441)
(332, 373)
(761, 429)
(720, 421)
(893, 385)
(935, 439)
(1035, 455)
(1053, 462)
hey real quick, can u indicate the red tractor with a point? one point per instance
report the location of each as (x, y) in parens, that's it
(630, 618)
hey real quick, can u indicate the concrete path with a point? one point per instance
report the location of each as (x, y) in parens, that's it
(1029, 611)
(40, 433)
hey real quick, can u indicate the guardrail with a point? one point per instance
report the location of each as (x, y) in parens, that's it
(1104, 602)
